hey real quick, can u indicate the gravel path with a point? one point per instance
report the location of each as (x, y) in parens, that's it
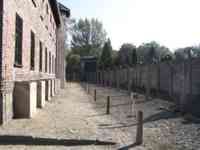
(72, 120)
(163, 128)
(62, 124)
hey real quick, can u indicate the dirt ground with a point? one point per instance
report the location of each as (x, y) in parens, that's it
(72, 120)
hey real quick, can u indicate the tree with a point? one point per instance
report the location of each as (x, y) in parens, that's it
(152, 52)
(106, 56)
(115, 58)
(73, 62)
(182, 53)
(134, 56)
(88, 37)
(126, 54)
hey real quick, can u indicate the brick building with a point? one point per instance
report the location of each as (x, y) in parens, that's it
(31, 55)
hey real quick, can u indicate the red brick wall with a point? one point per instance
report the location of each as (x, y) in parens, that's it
(31, 21)
(1, 34)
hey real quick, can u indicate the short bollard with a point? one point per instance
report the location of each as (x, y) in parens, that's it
(139, 134)
(95, 95)
(108, 106)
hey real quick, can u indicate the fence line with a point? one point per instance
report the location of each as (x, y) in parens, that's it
(177, 81)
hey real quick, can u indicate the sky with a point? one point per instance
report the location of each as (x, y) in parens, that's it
(172, 23)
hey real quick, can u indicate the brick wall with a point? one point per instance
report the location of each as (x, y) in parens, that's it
(44, 29)
(1, 34)
(60, 59)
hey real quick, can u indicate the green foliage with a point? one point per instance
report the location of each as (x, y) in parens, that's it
(152, 52)
(183, 53)
(73, 62)
(126, 56)
(134, 56)
(106, 56)
(166, 58)
(88, 37)
(115, 58)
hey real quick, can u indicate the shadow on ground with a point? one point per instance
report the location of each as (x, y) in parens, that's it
(162, 115)
(128, 147)
(29, 140)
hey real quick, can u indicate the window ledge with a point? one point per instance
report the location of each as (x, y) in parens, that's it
(18, 65)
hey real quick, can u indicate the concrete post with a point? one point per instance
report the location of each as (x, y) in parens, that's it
(118, 78)
(129, 80)
(183, 93)
(148, 78)
(190, 74)
(158, 80)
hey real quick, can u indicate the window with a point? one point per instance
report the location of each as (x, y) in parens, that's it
(32, 51)
(46, 60)
(40, 67)
(49, 62)
(18, 41)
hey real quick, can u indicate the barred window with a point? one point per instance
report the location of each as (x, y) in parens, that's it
(18, 41)
(46, 60)
(41, 60)
(32, 51)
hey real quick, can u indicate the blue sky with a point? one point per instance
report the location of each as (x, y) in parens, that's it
(173, 23)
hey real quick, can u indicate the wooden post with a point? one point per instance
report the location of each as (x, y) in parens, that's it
(139, 134)
(95, 95)
(108, 105)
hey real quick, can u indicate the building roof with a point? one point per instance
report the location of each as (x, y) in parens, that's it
(89, 58)
(55, 10)
(64, 10)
